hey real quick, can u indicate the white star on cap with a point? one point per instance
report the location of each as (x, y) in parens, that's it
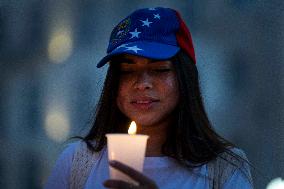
(119, 32)
(157, 16)
(123, 45)
(135, 33)
(152, 9)
(133, 48)
(146, 22)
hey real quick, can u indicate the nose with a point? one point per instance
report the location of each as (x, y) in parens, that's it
(143, 81)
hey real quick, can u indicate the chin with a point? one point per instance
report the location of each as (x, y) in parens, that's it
(145, 121)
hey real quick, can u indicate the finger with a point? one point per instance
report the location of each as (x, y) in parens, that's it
(118, 184)
(136, 175)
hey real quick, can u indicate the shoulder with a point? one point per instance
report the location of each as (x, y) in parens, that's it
(59, 176)
(234, 156)
(67, 154)
(82, 163)
(73, 147)
(237, 169)
(228, 163)
(231, 160)
(70, 148)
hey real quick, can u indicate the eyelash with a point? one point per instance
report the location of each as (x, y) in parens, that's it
(162, 70)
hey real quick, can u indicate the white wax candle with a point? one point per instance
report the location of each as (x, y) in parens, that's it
(129, 149)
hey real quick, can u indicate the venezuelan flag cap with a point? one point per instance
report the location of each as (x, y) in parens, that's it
(156, 33)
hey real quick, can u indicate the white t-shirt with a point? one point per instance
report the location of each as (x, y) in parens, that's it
(165, 171)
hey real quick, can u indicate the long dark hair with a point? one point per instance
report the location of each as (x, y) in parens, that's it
(190, 139)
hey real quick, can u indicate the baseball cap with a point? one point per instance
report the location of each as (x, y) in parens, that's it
(156, 33)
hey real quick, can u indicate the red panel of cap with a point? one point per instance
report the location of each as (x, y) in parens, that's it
(184, 38)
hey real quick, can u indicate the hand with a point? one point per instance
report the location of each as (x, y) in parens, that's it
(144, 182)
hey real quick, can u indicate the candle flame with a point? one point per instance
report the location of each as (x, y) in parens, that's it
(132, 128)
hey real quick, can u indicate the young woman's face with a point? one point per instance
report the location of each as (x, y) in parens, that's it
(148, 89)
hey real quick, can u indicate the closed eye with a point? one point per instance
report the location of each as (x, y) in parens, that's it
(161, 70)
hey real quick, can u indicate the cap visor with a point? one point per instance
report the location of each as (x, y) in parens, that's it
(146, 49)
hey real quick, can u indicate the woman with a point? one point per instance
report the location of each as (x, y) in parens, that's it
(153, 80)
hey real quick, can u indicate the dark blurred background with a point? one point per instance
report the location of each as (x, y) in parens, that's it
(49, 83)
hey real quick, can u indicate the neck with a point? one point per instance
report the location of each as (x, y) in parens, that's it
(157, 136)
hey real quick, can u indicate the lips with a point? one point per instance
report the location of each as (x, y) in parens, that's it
(144, 103)
(144, 100)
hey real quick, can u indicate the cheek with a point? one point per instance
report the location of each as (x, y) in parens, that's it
(171, 89)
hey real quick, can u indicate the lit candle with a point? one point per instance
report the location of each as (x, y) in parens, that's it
(132, 128)
(127, 148)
